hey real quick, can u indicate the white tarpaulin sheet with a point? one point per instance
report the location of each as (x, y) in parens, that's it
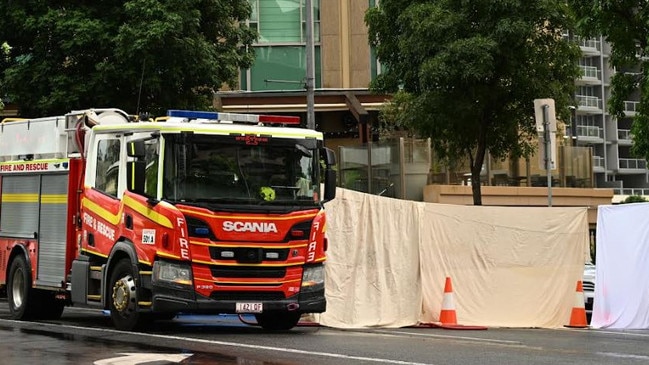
(388, 261)
(622, 253)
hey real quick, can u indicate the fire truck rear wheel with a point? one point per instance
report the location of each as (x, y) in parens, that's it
(20, 294)
(123, 298)
(278, 321)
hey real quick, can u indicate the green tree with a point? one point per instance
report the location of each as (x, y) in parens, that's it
(138, 55)
(466, 72)
(634, 199)
(624, 25)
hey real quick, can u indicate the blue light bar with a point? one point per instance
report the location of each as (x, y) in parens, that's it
(191, 114)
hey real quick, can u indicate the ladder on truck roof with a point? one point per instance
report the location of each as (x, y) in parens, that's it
(50, 137)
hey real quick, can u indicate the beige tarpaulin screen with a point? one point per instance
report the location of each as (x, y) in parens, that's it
(510, 266)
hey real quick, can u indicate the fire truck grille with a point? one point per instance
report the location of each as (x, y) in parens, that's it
(255, 295)
(248, 272)
(253, 255)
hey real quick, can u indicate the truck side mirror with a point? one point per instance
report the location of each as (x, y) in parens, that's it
(329, 158)
(136, 149)
(136, 176)
(136, 170)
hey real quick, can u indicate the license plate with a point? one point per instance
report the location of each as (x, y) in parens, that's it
(249, 307)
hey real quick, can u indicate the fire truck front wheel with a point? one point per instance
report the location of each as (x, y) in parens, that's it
(281, 321)
(123, 297)
(20, 294)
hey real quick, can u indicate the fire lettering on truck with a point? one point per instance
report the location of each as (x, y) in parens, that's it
(181, 224)
(184, 248)
(27, 166)
(261, 227)
(99, 226)
(310, 256)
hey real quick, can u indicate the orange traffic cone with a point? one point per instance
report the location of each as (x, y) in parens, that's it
(448, 316)
(578, 315)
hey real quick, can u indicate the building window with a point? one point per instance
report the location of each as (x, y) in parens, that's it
(282, 68)
(283, 21)
(280, 62)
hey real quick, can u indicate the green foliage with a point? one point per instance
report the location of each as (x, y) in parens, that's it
(467, 72)
(138, 55)
(624, 25)
(634, 199)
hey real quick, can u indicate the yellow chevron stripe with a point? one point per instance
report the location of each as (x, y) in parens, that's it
(164, 254)
(19, 198)
(54, 199)
(102, 212)
(147, 212)
(131, 203)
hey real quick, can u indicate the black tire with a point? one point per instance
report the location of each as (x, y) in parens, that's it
(20, 295)
(122, 298)
(279, 321)
(49, 307)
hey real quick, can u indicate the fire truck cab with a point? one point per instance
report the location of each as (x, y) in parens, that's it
(194, 212)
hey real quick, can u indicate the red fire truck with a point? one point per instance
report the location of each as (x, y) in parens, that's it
(194, 212)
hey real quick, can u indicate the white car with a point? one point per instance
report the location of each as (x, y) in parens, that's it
(588, 283)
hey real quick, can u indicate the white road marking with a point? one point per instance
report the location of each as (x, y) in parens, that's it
(139, 358)
(478, 339)
(231, 344)
(623, 356)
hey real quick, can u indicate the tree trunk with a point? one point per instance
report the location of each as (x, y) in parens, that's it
(475, 184)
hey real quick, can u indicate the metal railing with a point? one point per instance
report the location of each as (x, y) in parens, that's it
(636, 192)
(589, 43)
(632, 163)
(624, 134)
(589, 71)
(590, 131)
(589, 101)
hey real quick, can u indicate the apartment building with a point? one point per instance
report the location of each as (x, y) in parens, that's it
(613, 164)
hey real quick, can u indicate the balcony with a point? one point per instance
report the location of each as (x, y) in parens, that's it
(632, 164)
(587, 104)
(589, 46)
(598, 164)
(641, 192)
(590, 134)
(624, 136)
(590, 75)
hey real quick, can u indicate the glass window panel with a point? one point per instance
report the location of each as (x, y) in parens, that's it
(279, 21)
(282, 68)
(255, 13)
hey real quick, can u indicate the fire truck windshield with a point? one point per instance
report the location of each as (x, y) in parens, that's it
(224, 169)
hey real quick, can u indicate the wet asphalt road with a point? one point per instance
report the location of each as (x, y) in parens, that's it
(85, 336)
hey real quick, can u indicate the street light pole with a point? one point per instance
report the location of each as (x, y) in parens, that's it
(310, 68)
(548, 154)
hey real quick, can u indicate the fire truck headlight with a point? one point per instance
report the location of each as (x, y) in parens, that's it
(313, 277)
(164, 271)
